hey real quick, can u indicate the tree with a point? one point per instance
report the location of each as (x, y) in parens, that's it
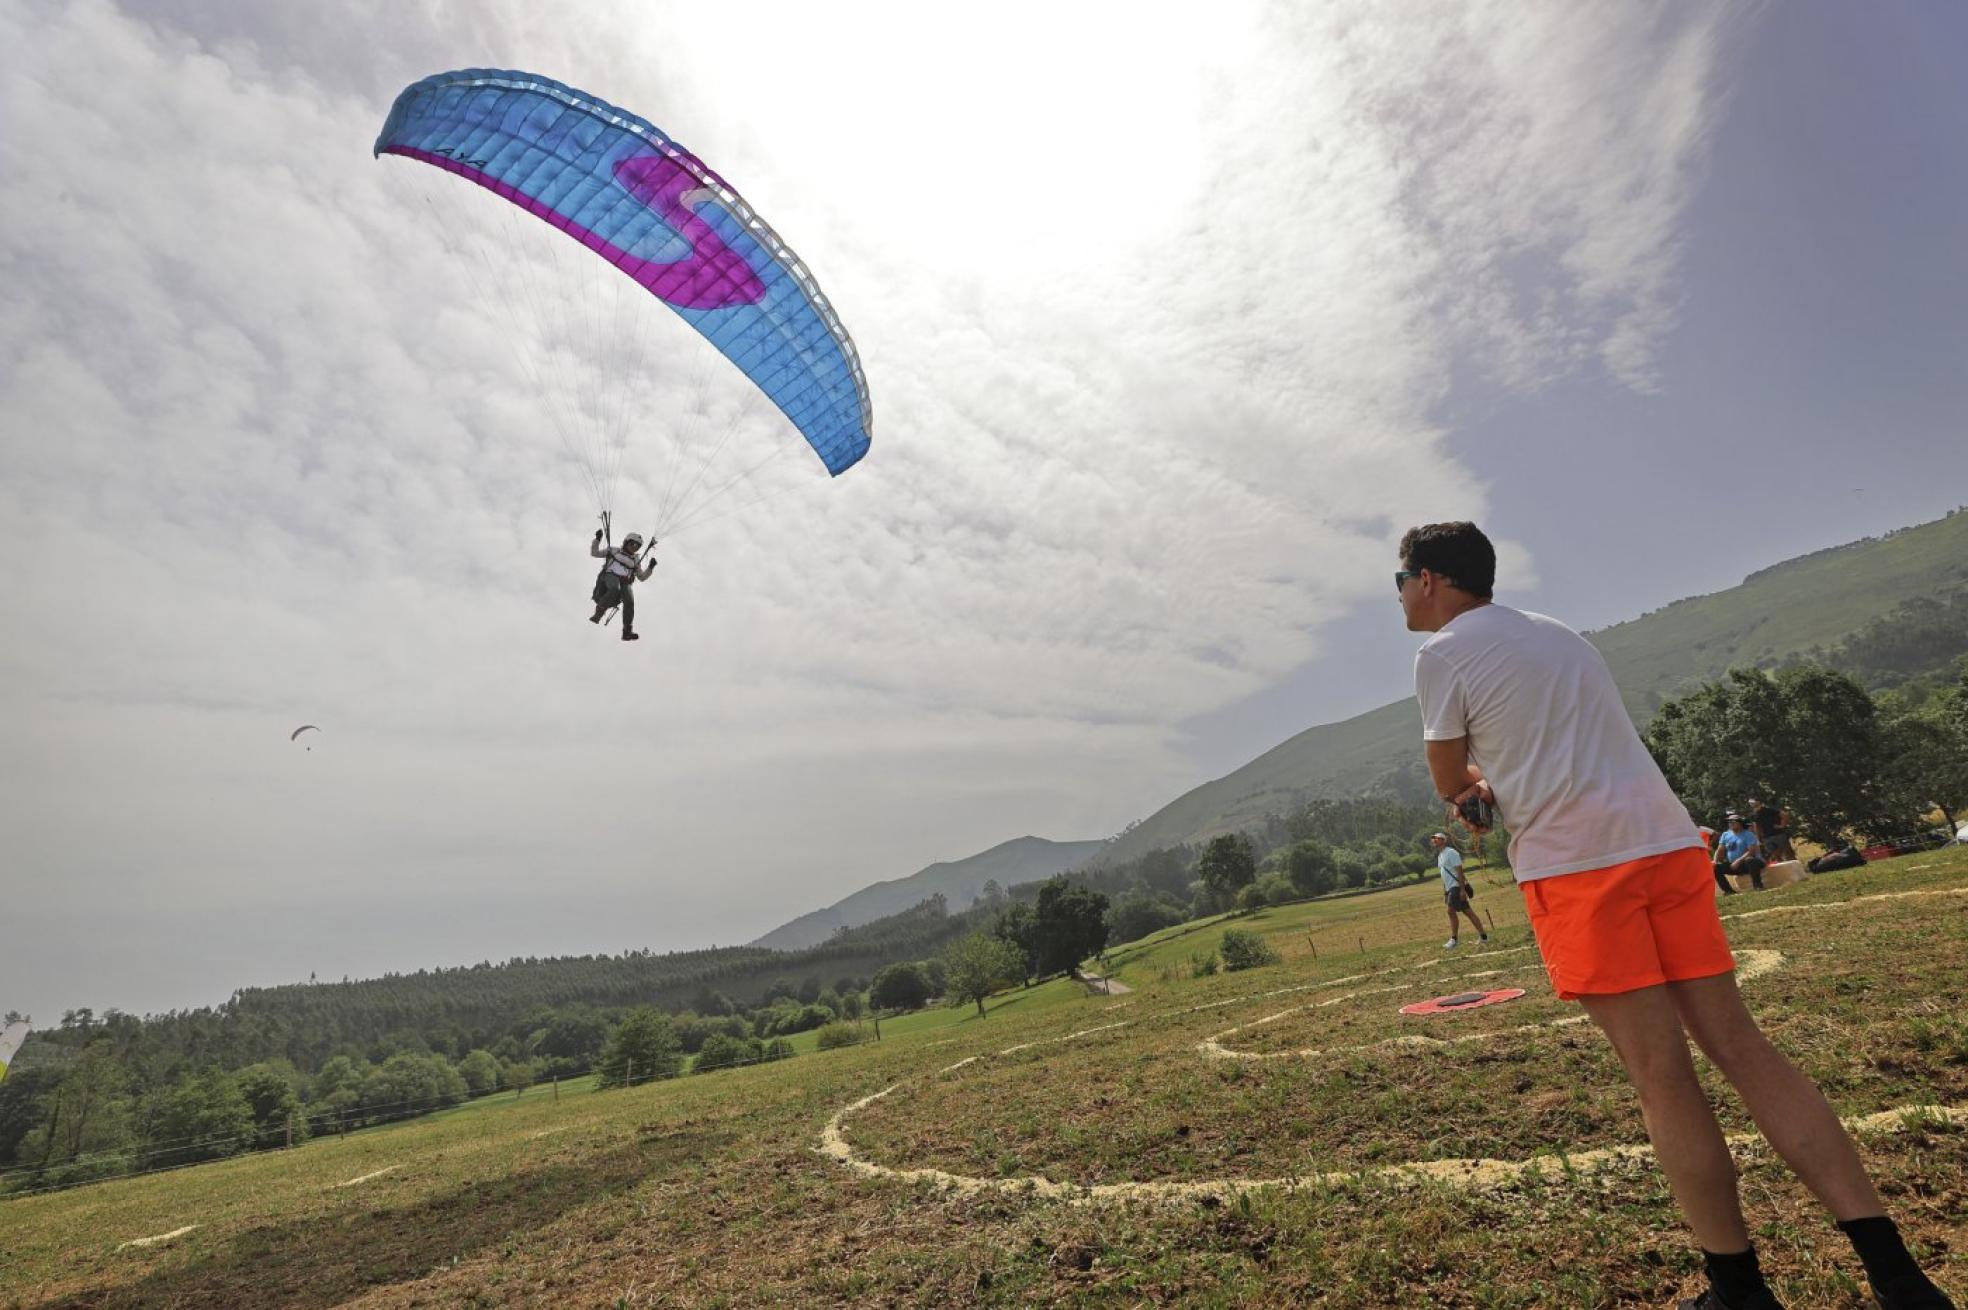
(1925, 760)
(1019, 926)
(1138, 913)
(1069, 923)
(979, 965)
(408, 1084)
(1805, 738)
(1227, 867)
(480, 1070)
(902, 986)
(723, 1052)
(204, 1118)
(268, 1089)
(1311, 867)
(1245, 950)
(644, 1047)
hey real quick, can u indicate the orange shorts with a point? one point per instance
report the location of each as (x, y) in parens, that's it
(1639, 924)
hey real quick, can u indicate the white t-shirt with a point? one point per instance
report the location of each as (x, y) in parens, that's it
(1573, 782)
(1449, 861)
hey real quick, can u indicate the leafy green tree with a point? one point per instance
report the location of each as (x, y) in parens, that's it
(1925, 757)
(1807, 738)
(517, 1074)
(201, 1118)
(836, 1035)
(1272, 889)
(1311, 867)
(88, 1116)
(268, 1089)
(1245, 950)
(408, 1084)
(1070, 923)
(1139, 913)
(1019, 926)
(642, 1048)
(979, 965)
(573, 1035)
(1227, 867)
(723, 1052)
(902, 986)
(26, 1096)
(480, 1070)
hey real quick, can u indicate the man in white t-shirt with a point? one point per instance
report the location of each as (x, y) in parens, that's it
(1455, 889)
(1521, 712)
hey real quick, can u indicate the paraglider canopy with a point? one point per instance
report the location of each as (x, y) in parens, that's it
(649, 211)
(305, 727)
(10, 1041)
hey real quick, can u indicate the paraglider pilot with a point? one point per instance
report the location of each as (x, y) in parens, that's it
(616, 583)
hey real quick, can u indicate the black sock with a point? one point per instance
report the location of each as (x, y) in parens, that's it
(1736, 1277)
(1884, 1255)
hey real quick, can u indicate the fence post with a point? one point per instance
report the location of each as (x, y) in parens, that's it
(556, 1082)
(629, 1079)
(290, 1130)
(1363, 945)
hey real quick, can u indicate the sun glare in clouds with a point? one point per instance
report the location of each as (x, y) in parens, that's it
(1018, 138)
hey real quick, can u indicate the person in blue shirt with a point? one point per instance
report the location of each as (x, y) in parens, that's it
(1738, 851)
(1455, 889)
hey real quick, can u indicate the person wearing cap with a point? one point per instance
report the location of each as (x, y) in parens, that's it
(616, 583)
(1455, 889)
(1738, 851)
(1520, 711)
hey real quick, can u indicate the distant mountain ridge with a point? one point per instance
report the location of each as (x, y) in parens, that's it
(1780, 612)
(959, 882)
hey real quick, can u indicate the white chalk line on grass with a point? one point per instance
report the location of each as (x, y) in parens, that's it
(366, 1177)
(1472, 1173)
(159, 1239)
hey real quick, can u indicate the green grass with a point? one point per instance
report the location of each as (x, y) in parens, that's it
(709, 1189)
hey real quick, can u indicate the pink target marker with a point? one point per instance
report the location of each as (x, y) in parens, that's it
(1463, 1001)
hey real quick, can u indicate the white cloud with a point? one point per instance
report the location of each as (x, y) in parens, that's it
(1155, 333)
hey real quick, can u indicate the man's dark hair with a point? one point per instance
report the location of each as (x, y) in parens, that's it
(1457, 551)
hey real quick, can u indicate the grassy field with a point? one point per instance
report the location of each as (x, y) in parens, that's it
(1272, 1137)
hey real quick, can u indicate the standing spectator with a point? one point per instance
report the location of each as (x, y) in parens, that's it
(1455, 889)
(1772, 830)
(1521, 711)
(1738, 851)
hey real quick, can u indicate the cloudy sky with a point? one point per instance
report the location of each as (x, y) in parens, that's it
(1171, 328)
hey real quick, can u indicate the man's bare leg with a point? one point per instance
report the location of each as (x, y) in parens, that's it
(1644, 1027)
(1788, 1108)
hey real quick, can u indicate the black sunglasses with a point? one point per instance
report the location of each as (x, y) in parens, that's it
(1401, 578)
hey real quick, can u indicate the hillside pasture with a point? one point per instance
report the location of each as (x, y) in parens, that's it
(1281, 1135)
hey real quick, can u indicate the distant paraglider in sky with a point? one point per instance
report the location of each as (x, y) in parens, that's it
(295, 735)
(657, 217)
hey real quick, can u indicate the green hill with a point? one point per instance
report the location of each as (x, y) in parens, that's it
(1803, 606)
(959, 882)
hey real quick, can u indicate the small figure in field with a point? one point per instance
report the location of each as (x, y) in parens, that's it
(616, 583)
(1772, 830)
(1520, 711)
(1455, 889)
(1738, 851)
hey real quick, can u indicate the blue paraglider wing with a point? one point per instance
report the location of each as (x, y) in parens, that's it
(618, 185)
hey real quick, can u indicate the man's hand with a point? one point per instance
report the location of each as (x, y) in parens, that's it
(597, 536)
(1478, 790)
